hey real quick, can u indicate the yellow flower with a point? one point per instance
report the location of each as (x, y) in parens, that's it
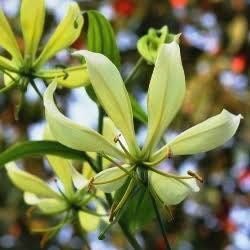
(21, 69)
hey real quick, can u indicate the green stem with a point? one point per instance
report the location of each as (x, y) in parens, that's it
(133, 242)
(130, 237)
(100, 129)
(161, 223)
(134, 71)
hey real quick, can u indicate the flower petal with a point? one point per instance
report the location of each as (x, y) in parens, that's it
(79, 180)
(62, 169)
(111, 92)
(70, 77)
(52, 206)
(32, 22)
(73, 135)
(203, 137)
(165, 94)
(65, 34)
(172, 191)
(6, 64)
(111, 179)
(28, 182)
(30, 198)
(7, 39)
(88, 222)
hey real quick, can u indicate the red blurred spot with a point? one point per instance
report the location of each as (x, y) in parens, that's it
(178, 3)
(78, 44)
(229, 226)
(238, 64)
(244, 176)
(15, 230)
(124, 7)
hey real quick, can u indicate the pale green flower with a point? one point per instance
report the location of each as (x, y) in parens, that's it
(21, 69)
(149, 44)
(72, 197)
(136, 165)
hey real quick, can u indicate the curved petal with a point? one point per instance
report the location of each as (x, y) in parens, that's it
(78, 179)
(28, 182)
(7, 64)
(7, 39)
(111, 179)
(70, 77)
(88, 222)
(172, 191)
(52, 206)
(10, 77)
(32, 22)
(203, 137)
(165, 94)
(62, 168)
(111, 92)
(73, 135)
(65, 34)
(30, 198)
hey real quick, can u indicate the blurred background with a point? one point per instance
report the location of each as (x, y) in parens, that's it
(215, 53)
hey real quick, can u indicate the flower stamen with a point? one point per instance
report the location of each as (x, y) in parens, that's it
(195, 175)
(91, 184)
(117, 139)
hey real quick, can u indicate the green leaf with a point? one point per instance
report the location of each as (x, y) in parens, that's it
(101, 37)
(29, 148)
(139, 209)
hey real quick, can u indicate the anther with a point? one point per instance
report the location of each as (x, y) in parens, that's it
(116, 139)
(169, 153)
(196, 176)
(91, 184)
(30, 211)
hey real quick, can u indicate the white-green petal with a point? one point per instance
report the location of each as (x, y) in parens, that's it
(88, 222)
(62, 168)
(32, 22)
(172, 191)
(8, 65)
(73, 135)
(70, 77)
(203, 137)
(28, 182)
(165, 94)
(111, 92)
(52, 206)
(65, 34)
(30, 198)
(111, 179)
(7, 39)
(78, 179)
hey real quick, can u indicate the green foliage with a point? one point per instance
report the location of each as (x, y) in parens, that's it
(29, 148)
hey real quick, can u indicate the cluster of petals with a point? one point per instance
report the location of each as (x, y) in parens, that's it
(165, 96)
